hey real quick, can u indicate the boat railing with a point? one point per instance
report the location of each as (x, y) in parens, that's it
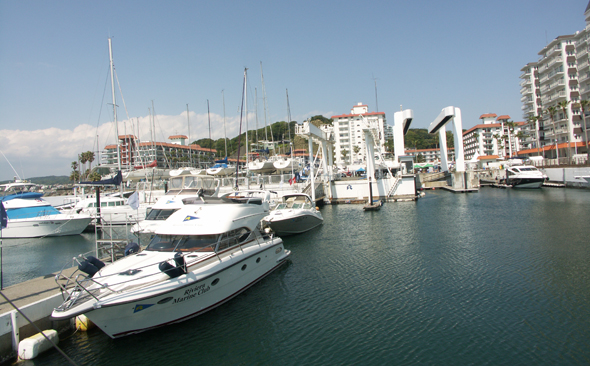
(75, 284)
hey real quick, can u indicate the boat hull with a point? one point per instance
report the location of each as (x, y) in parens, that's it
(196, 293)
(52, 225)
(527, 183)
(292, 225)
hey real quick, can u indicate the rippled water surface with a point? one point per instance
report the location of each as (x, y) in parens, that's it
(499, 277)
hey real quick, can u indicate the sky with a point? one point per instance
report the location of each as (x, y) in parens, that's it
(55, 92)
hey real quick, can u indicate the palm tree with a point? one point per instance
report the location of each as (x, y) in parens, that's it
(74, 176)
(538, 119)
(551, 111)
(583, 105)
(564, 107)
(510, 124)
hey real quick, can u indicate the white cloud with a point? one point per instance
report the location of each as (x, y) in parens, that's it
(51, 151)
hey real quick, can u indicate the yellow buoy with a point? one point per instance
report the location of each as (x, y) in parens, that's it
(83, 323)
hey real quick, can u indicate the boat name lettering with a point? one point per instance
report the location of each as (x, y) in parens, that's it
(192, 292)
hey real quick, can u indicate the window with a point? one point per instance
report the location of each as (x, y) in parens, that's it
(183, 243)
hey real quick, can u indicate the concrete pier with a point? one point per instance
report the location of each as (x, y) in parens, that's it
(36, 298)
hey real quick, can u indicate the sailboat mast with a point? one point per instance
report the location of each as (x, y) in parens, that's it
(246, 116)
(264, 101)
(224, 130)
(310, 144)
(289, 127)
(209, 119)
(240, 134)
(114, 104)
(190, 155)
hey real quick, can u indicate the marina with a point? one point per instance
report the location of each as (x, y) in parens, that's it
(420, 282)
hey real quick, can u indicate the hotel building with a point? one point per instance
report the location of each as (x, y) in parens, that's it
(349, 141)
(170, 155)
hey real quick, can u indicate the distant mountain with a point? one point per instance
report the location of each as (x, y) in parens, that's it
(52, 179)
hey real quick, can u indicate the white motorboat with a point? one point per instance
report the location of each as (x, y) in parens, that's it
(114, 209)
(295, 214)
(184, 188)
(261, 166)
(30, 216)
(206, 254)
(525, 176)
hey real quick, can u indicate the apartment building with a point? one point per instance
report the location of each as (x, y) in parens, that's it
(349, 141)
(172, 154)
(494, 136)
(561, 75)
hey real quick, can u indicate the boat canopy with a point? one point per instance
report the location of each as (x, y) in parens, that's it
(22, 195)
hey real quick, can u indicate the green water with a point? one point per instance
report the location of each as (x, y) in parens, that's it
(499, 277)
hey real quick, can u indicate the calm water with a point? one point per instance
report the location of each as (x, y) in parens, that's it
(499, 277)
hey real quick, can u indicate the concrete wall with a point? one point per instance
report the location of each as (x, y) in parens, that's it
(359, 189)
(567, 176)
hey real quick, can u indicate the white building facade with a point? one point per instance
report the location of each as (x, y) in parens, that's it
(494, 136)
(349, 142)
(561, 74)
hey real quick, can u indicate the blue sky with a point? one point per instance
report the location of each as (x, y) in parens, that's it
(425, 55)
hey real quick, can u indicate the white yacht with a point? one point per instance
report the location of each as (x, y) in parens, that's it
(114, 209)
(525, 176)
(184, 187)
(206, 254)
(294, 215)
(30, 216)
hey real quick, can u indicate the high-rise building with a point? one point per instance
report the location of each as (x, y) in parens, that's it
(557, 82)
(349, 141)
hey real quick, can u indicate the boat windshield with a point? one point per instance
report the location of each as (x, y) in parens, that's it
(183, 243)
(158, 214)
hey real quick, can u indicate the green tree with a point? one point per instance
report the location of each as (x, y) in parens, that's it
(551, 112)
(583, 106)
(564, 106)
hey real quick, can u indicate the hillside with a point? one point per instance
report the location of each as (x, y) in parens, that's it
(52, 179)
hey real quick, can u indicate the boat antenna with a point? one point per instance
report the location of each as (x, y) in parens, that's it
(14, 170)
(240, 134)
(376, 100)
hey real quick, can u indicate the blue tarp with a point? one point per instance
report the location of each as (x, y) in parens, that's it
(360, 170)
(222, 161)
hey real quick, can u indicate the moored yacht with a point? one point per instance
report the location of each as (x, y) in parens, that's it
(30, 216)
(294, 215)
(525, 176)
(205, 254)
(184, 188)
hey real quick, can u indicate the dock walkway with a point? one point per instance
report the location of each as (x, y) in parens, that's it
(36, 298)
